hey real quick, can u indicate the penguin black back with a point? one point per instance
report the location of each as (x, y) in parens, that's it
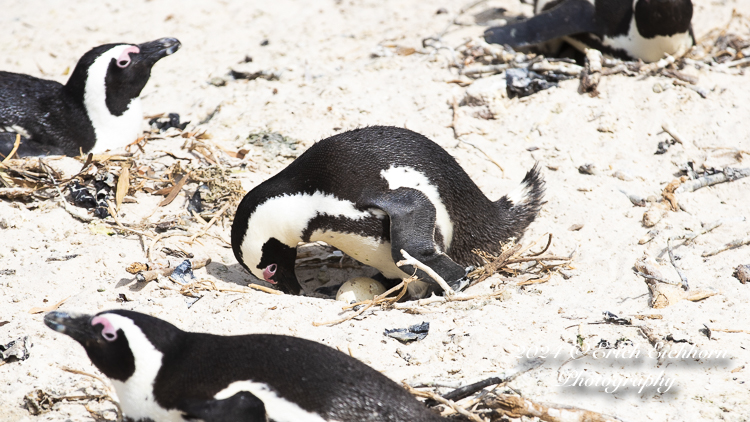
(97, 109)
(388, 186)
(163, 373)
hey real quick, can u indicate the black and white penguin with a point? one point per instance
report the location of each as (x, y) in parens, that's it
(372, 192)
(161, 373)
(627, 29)
(98, 109)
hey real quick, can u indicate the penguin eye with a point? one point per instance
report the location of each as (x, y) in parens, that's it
(124, 60)
(268, 272)
(109, 332)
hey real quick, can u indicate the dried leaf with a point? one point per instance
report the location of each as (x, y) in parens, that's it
(123, 185)
(38, 310)
(175, 191)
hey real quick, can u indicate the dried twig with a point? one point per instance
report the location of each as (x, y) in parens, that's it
(370, 303)
(727, 175)
(674, 264)
(731, 245)
(265, 289)
(442, 299)
(211, 223)
(153, 273)
(467, 390)
(15, 148)
(429, 395)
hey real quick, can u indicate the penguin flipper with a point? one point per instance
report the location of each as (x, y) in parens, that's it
(413, 225)
(241, 407)
(567, 18)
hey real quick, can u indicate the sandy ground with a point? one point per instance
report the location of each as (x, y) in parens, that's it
(329, 83)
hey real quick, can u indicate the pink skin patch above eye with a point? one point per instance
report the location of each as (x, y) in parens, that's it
(269, 272)
(108, 332)
(124, 60)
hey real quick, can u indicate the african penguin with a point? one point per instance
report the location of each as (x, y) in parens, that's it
(98, 109)
(627, 29)
(372, 192)
(161, 373)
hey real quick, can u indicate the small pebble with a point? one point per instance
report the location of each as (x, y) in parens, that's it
(575, 227)
(587, 169)
(742, 273)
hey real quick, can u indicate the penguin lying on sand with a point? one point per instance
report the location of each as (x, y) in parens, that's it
(162, 373)
(99, 108)
(627, 29)
(372, 192)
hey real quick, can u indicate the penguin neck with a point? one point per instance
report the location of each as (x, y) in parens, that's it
(87, 87)
(286, 217)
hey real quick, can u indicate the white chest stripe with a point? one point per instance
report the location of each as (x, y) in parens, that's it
(286, 217)
(367, 250)
(136, 394)
(407, 177)
(277, 408)
(111, 131)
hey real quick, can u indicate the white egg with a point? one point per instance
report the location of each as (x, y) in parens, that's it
(359, 289)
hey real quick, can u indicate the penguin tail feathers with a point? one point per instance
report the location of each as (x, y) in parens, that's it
(524, 202)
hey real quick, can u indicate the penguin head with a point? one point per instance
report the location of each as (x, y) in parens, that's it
(117, 72)
(116, 340)
(276, 266)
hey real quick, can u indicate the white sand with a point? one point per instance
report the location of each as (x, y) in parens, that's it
(330, 81)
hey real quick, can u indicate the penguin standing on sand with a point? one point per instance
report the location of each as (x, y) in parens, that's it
(371, 193)
(627, 29)
(161, 373)
(99, 108)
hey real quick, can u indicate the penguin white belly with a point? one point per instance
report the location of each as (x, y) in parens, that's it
(367, 250)
(650, 49)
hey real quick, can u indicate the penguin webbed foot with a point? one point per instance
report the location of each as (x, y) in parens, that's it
(329, 291)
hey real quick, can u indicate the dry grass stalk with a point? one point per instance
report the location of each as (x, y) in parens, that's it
(441, 299)
(513, 254)
(516, 407)
(378, 300)
(107, 387)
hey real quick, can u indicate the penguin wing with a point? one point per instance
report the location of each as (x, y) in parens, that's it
(241, 407)
(567, 18)
(413, 225)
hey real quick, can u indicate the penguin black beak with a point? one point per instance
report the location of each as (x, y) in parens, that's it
(77, 327)
(153, 51)
(286, 280)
